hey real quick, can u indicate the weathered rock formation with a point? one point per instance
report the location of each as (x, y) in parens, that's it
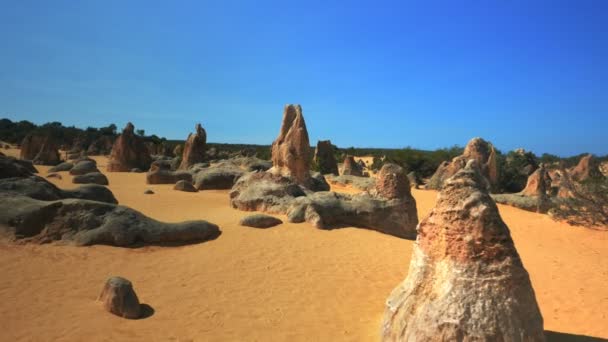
(361, 183)
(185, 186)
(101, 146)
(478, 149)
(584, 169)
(48, 153)
(466, 281)
(160, 173)
(260, 221)
(119, 298)
(535, 196)
(129, 152)
(291, 149)
(325, 159)
(65, 166)
(539, 183)
(31, 145)
(83, 167)
(351, 168)
(91, 178)
(194, 148)
(219, 176)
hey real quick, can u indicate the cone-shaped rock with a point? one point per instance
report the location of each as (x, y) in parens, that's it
(194, 148)
(466, 281)
(583, 170)
(325, 159)
(129, 152)
(291, 149)
(31, 145)
(119, 298)
(48, 153)
(351, 167)
(538, 183)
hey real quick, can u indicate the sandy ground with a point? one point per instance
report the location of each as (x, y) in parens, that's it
(291, 282)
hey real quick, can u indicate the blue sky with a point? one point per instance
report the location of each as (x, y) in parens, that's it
(425, 74)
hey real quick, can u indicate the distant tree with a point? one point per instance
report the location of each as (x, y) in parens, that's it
(140, 132)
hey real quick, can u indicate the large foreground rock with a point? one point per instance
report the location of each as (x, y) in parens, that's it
(478, 149)
(291, 149)
(11, 167)
(119, 298)
(325, 159)
(129, 152)
(194, 148)
(39, 188)
(466, 281)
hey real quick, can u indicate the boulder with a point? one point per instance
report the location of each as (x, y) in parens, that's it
(185, 186)
(351, 168)
(413, 179)
(361, 183)
(291, 149)
(466, 280)
(91, 178)
(264, 191)
(148, 192)
(54, 175)
(252, 163)
(83, 167)
(41, 189)
(129, 152)
(178, 150)
(194, 148)
(160, 173)
(11, 167)
(119, 298)
(260, 221)
(219, 176)
(65, 166)
(535, 196)
(539, 183)
(586, 168)
(48, 153)
(325, 159)
(480, 150)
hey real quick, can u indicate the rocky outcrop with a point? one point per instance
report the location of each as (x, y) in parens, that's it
(478, 149)
(361, 183)
(325, 159)
(11, 167)
(264, 191)
(31, 145)
(65, 166)
(539, 183)
(185, 186)
(178, 150)
(535, 196)
(119, 298)
(220, 176)
(584, 170)
(91, 178)
(83, 167)
(129, 152)
(291, 149)
(48, 153)
(194, 148)
(160, 173)
(466, 280)
(260, 221)
(351, 168)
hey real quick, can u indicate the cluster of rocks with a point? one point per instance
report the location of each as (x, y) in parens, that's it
(34, 210)
(290, 188)
(478, 149)
(466, 281)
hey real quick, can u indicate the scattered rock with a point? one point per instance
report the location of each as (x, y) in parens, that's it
(31, 145)
(102, 146)
(194, 148)
(325, 159)
(11, 167)
(539, 183)
(148, 192)
(183, 185)
(264, 191)
(129, 152)
(48, 153)
(83, 167)
(91, 178)
(361, 183)
(351, 168)
(466, 280)
(54, 175)
(65, 166)
(160, 173)
(219, 176)
(119, 298)
(291, 149)
(260, 221)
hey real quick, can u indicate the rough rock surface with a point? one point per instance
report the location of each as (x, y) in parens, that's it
(351, 168)
(539, 183)
(260, 221)
(478, 149)
(291, 149)
(83, 167)
(264, 191)
(101, 146)
(361, 183)
(325, 159)
(65, 166)
(148, 192)
(194, 148)
(11, 167)
(160, 173)
(185, 186)
(129, 152)
(583, 170)
(119, 298)
(31, 145)
(48, 153)
(91, 178)
(535, 196)
(466, 281)
(220, 176)
(414, 180)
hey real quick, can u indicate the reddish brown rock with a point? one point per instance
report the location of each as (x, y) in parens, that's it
(582, 171)
(325, 159)
(48, 153)
(291, 149)
(31, 145)
(119, 298)
(194, 148)
(351, 168)
(392, 182)
(466, 281)
(539, 183)
(478, 149)
(129, 152)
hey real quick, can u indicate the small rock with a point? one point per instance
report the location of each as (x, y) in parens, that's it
(91, 178)
(54, 175)
(136, 170)
(65, 166)
(260, 221)
(119, 298)
(84, 167)
(148, 192)
(183, 185)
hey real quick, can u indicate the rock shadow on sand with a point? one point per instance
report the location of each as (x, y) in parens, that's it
(554, 336)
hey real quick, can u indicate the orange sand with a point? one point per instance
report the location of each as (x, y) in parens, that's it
(291, 282)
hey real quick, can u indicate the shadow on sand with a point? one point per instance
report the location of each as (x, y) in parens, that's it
(146, 311)
(554, 336)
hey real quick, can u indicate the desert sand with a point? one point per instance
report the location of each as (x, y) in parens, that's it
(291, 282)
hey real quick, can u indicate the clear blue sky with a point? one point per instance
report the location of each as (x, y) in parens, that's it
(425, 74)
